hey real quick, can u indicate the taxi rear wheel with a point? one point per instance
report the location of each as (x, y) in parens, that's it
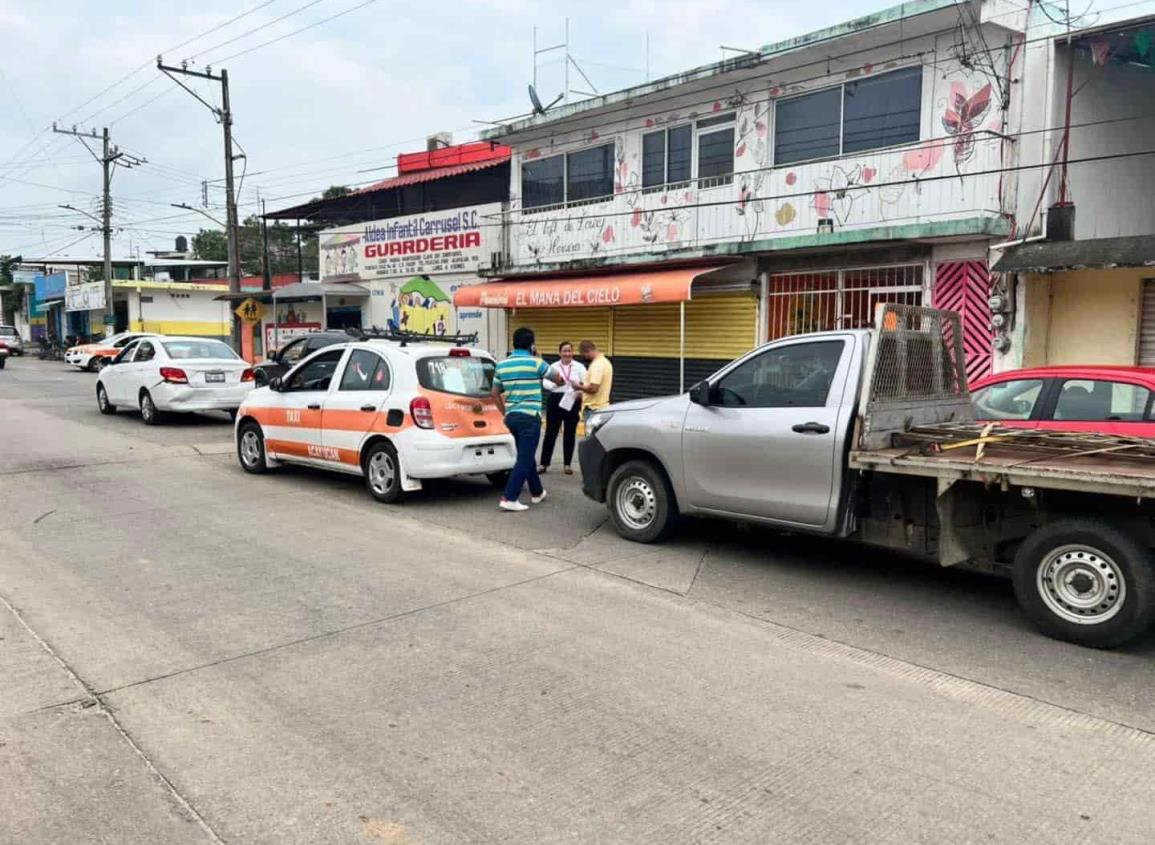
(498, 479)
(251, 449)
(383, 473)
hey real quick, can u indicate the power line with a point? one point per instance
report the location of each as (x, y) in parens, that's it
(360, 5)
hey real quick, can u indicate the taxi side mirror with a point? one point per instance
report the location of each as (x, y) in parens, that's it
(276, 384)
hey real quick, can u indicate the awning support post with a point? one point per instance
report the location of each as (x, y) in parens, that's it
(682, 346)
(324, 312)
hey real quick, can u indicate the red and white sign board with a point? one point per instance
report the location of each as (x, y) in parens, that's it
(460, 240)
(276, 336)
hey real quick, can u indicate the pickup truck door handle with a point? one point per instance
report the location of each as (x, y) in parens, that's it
(812, 428)
(368, 407)
(316, 407)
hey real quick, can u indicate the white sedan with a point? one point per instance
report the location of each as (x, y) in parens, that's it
(160, 374)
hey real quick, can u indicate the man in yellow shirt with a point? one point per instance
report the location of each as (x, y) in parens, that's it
(599, 378)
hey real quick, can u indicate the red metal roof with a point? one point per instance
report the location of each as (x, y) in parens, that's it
(431, 175)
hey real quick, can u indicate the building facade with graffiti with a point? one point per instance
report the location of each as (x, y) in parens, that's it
(803, 184)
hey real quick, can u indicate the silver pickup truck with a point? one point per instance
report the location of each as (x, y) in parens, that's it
(868, 435)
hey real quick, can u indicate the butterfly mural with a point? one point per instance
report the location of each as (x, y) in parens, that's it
(963, 116)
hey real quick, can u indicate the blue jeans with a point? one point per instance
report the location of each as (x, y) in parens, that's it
(526, 431)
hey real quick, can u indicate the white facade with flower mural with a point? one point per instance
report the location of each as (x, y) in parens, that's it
(874, 161)
(412, 266)
(940, 162)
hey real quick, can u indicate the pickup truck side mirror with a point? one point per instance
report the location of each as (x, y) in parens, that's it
(700, 393)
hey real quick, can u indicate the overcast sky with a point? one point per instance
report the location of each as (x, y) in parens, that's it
(311, 110)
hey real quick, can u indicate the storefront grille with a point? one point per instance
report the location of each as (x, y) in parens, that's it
(826, 300)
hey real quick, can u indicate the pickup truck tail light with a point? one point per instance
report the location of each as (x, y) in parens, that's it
(173, 375)
(422, 412)
(248, 375)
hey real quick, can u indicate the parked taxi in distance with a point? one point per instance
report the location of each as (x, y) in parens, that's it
(393, 411)
(93, 356)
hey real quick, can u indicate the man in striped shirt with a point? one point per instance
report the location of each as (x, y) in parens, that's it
(517, 391)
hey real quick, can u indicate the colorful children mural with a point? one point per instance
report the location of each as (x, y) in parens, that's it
(420, 305)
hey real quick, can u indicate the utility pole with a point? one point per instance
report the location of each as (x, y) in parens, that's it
(267, 282)
(107, 159)
(224, 116)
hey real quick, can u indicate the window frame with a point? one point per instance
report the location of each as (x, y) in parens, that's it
(666, 184)
(841, 88)
(1056, 395)
(1038, 409)
(287, 381)
(715, 381)
(566, 202)
(381, 362)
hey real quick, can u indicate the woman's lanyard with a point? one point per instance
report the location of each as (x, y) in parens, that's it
(565, 373)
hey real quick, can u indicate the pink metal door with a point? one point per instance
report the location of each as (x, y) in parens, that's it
(965, 287)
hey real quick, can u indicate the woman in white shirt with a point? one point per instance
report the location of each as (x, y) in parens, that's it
(563, 406)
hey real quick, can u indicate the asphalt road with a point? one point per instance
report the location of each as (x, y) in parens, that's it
(190, 654)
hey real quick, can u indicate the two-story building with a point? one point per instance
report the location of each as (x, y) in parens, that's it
(791, 189)
(1077, 285)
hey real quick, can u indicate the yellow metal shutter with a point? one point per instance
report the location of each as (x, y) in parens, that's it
(646, 331)
(553, 325)
(721, 326)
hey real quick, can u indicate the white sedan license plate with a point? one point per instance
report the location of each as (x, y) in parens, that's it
(214, 378)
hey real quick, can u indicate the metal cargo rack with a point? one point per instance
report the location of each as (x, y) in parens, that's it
(405, 338)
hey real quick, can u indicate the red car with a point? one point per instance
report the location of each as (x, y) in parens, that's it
(1099, 399)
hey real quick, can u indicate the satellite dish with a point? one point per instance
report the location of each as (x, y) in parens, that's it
(538, 108)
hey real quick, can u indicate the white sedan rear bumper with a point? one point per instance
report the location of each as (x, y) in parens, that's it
(182, 398)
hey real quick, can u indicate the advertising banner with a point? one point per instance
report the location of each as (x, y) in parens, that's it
(458, 241)
(87, 296)
(277, 335)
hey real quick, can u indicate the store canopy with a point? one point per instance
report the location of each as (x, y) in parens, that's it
(1096, 253)
(299, 291)
(584, 291)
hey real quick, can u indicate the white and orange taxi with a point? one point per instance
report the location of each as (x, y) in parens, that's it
(394, 412)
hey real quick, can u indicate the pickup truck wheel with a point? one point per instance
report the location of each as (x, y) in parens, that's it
(1087, 582)
(640, 502)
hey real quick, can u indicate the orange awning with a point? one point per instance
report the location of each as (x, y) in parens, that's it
(583, 291)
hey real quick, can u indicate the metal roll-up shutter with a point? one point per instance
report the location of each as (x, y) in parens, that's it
(553, 325)
(1147, 326)
(721, 326)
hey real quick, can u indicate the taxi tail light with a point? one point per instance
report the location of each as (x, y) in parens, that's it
(458, 353)
(422, 412)
(247, 375)
(173, 375)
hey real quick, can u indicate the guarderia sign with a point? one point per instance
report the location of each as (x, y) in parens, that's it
(456, 241)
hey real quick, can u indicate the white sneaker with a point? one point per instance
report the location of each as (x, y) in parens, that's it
(512, 506)
(537, 500)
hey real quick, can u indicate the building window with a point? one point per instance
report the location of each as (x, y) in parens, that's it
(590, 174)
(867, 114)
(716, 151)
(580, 177)
(543, 182)
(667, 156)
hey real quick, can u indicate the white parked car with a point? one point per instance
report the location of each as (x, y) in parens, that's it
(161, 374)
